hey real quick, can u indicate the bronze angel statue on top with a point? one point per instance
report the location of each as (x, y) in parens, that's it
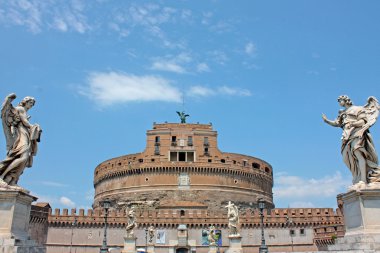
(21, 139)
(182, 115)
(358, 149)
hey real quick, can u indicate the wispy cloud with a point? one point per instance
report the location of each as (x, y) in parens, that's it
(164, 65)
(296, 190)
(109, 88)
(203, 67)
(250, 49)
(172, 63)
(39, 15)
(149, 18)
(53, 184)
(219, 57)
(313, 72)
(202, 91)
(66, 202)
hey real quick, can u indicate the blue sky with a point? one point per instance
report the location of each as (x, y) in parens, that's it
(262, 72)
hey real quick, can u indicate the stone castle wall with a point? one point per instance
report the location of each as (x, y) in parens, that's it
(312, 228)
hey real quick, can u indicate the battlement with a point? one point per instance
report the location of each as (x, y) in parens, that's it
(199, 217)
(182, 126)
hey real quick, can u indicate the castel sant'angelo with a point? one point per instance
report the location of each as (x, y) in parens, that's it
(182, 165)
(180, 185)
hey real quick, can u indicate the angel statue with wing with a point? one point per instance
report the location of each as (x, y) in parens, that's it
(358, 149)
(21, 137)
(233, 218)
(182, 116)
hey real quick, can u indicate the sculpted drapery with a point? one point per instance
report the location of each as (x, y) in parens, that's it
(358, 149)
(233, 219)
(21, 138)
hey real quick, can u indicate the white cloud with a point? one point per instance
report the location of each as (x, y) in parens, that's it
(232, 91)
(219, 57)
(203, 67)
(299, 189)
(108, 88)
(39, 15)
(53, 184)
(66, 201)
(250, 48)
(172, 64)
(202, 91)
(167, 66)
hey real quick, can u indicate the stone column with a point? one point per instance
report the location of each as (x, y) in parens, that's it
(235, 244)
(129, 244)
(361, 209)
(15, 205)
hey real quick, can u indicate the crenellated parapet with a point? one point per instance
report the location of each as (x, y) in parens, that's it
(199, 218)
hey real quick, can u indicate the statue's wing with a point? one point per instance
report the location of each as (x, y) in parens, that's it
(372, 113)
(372, 108)
(178, 113)
(7, 117)
(187, 115)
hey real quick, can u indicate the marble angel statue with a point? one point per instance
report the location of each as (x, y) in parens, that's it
(131, 222)
(358, 149)
(233, 219)
(21, 139)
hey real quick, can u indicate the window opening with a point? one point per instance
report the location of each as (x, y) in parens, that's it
(182, 156)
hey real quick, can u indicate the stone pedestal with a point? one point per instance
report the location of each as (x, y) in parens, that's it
(150, 248)
(361, 209)
(15, 208)
(212, 249)
(235, 244)
(129, 244)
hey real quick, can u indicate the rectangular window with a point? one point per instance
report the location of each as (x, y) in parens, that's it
(173, 156)
(190, 156)
(205, 140)
(190, 141)
(157, 150)
(157, 139)
(292, 232)
(302, 231)
(174, 140)
(182, 156)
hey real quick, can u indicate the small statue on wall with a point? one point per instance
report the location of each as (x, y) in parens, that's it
(151, 234)
(233, 219)
(358, 149)
(131, 222)
(211, 236)
(21, 138)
